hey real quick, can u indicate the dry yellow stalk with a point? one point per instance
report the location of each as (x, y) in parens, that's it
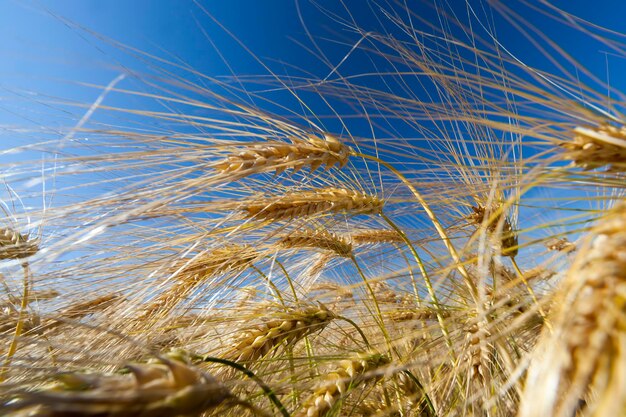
(580, 367)
(508, 239)
(14, 245)
(190, 273)
(596, 147)
(279, 156)
(339, 381)
(320, 239)
(312, 202)
(287, 327)
(164, 389)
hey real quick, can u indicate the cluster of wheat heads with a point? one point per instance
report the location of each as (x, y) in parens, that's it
(214, 258)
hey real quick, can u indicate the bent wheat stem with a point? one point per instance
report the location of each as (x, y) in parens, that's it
(264, 387)
(20, 323)
(433, 218)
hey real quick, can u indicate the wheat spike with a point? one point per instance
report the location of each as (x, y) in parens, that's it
(598, 146)
(278, 156)
(288, 327)
(14, 245)
(339, 381)
(320, 239)
(190, 273)
(508, 240)
(162, 389)
(82, 309)
(560, 245)
(416, 314)
(312, 202)
(581, 365)
(374, 236)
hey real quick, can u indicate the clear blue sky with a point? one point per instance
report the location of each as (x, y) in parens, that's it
(42, 55)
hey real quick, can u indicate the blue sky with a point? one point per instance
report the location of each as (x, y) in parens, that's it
(48, 47)
(37, 48)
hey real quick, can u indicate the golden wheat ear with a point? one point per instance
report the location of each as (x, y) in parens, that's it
(597, 147)
(162, 389)
(493, 219)
(279, 156)
(318, 239)
(312, 202)
(339, 381)
(253, 343)
(579, 368)
(14, 245)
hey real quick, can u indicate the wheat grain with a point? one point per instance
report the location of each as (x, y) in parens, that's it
(374, 236)
(492, 218)
(191, 272)
(14, 245)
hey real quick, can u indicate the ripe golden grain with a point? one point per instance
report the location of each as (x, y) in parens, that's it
(162, 389)
(14, 245)
(491, 217)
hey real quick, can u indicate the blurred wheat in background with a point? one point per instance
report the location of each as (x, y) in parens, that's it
(433, 226)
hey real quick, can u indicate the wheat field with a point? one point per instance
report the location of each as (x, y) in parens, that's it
(448, 239)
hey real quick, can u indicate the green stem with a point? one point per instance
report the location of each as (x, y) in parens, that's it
(429, 285)
(519, 273)
(358, 329)
(425, 398)
(289, 281)
(20, 322)
(267, 390)
(271, 284)
(431, 215)
(381, 323)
